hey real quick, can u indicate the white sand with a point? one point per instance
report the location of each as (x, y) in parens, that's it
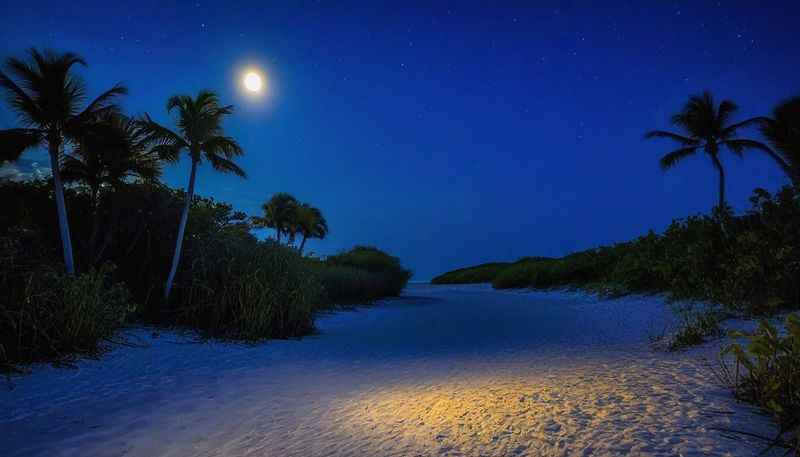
(444, 371)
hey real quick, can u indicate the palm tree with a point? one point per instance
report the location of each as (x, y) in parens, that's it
(278, 214)
(112, 151)
(706, 127)
(782, 131)
(200, 134)
(46, 97)
(310, 223)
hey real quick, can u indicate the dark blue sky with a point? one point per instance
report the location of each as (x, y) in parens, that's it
(451, 134)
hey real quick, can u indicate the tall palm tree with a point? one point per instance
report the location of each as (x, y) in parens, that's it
(278, 214)
(705, 126)
(113, 150)
(47, 97)
(310, 223)
(199, 133)
(782, 131)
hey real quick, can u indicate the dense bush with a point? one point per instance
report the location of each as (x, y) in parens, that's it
(245, 289)
(750, 264)
(767, 372)
(47, 315)
(471, 275)
(582, 268)
(348, 285)
(696, 323)
(386, 276)
(229, 284)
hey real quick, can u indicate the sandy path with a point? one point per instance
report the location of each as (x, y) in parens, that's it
(444, 371)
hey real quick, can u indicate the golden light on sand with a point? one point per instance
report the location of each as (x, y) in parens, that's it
(252, 81)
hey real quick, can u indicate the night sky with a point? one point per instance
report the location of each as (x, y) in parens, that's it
(452, 134)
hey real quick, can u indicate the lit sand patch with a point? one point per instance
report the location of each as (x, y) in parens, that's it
(628, 407)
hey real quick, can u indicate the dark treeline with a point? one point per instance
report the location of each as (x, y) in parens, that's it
(749, 263)
(103, 242)
(742, 265)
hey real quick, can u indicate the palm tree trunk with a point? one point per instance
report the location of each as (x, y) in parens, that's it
(176, 257)
(302, 244)
(61, 207)
(95, 223)
(721, 171)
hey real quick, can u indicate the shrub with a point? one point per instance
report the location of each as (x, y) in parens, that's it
(523, 273)
(767, 373)
(344, 284)
(387, 277)
(478, 274)
(236, 287)
(750, 264)
(695, 326)
(47, 315)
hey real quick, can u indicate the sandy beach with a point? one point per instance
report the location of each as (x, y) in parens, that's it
(444, 370)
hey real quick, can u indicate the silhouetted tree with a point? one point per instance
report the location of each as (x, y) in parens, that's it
(200, 134)
(113, 150)
(310, 223)
(46, 96)
(278, 214)
(706, 127)
(782, 131)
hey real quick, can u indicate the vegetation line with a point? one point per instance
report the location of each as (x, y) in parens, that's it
(745, 265)
(129, 264)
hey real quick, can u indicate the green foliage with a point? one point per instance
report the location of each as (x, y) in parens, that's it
(750, 264)
(288, 216)
(766, 372)
(542, 273)
(228, 285)
(485, 272)
(344, 284)
(385, 276)
(47, 315)
(696, 325)
(239, 288)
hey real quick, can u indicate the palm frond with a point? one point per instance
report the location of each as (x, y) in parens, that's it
(671, 159)
(224, 165)
(783, 131)
(741, 145)
(726, 109)
(63, 61)
(730, 130)
(20, 101)
(206, 100)
(222, 145)
(684, 140)
(102, 105)
(157, 134)
(13, 142)
(58, 91)
(29, 77)
(169, 153)
(178, 101)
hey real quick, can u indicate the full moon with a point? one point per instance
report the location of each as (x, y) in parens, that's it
(252, 81)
